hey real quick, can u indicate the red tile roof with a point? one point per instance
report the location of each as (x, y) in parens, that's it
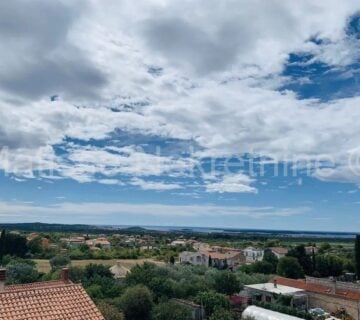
(317, 288)
(52, 300)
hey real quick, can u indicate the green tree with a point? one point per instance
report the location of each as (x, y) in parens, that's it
(290, 267)
(97, 270)
(59, 262)
(329, 265)
(12, 244)
(137, 303)
(76, 274)
(109, 311)
(271, 258)
(142, 274)
(18, 272)
(226, 282)
(212, 300)
(171, 311)
(262, 267)
(222, 314)
(325, 247)
(303, 258)
(35, 245)
(357, 256)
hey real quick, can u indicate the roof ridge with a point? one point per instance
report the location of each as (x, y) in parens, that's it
(36, 286)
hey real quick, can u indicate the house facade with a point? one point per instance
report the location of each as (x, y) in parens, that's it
(253, 254)
(194, 258)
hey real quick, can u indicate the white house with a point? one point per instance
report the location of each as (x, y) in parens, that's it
(252, 254)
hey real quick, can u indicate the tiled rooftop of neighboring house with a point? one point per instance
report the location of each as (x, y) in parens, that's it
(279, 250)
(51, 300)
(221, 255)
(318, 288)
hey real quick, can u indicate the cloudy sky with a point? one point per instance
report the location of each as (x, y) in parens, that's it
(233, 113)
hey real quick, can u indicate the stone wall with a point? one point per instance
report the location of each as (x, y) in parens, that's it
(332, 304)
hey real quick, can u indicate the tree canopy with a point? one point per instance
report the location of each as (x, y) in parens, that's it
(137, 303)
(290, 267)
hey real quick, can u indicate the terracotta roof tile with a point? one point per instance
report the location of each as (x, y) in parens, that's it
(52, 300)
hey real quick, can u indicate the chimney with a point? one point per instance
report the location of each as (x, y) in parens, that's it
(275, 283)
(65, 275)
(2, 278)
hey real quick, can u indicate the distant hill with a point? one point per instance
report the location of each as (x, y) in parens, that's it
(54, 227)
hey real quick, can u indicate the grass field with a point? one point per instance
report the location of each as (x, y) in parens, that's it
(44, 265)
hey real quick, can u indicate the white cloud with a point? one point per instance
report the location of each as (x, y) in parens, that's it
(151, 185)
(31, 211)
(232, 183)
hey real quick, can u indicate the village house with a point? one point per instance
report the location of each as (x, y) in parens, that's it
(74, 242)
(252, 254)
(52, 300)
(280, 252)
(32, 236)
(311, 249)
(269, 292)
(119, 271)
(178, 243)
(225, 259)
(194, 258)
(99, 242)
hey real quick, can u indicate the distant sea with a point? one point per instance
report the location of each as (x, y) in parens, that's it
(267, 232)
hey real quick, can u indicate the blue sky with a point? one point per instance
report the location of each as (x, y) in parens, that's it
(234, 114)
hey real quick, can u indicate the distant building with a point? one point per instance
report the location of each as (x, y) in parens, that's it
(74, 241)
(252, 254)
(32, 236)
(119, 271)
(194, 258)
(60, 300)
(311, 249)
(179, 243)
(225, 259)
(99, 242)
(280, 252)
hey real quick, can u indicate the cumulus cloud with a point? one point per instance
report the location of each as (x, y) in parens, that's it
(232, 183)
(218, 73)
(37, 58)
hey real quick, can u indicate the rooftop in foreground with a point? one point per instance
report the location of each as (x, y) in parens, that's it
(52, 300)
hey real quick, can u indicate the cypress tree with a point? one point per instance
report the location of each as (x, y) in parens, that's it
(357, 255)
